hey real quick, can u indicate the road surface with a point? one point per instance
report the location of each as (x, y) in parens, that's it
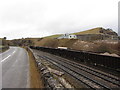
(15, 68)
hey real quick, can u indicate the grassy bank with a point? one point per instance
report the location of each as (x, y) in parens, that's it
(3, 48)
(98, 46)
(35, 76)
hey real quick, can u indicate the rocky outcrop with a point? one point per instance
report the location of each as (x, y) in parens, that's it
(108, 32)
(98, 34)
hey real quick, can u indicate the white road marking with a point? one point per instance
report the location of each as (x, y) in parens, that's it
(5, 58)
(8, 56)
(13, 52)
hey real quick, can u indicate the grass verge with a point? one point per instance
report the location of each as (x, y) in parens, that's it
(3, 48)
(35, 75)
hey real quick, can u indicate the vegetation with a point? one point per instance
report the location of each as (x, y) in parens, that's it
(101, 46)
(3, 48)
(51, 42)
(35, 76)
(53, 36)
(21, 42)
(97, 46)
(91, 31)
(3, 44)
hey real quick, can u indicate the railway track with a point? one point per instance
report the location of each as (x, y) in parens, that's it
(72, 69)
(102, 61)
(110, 78)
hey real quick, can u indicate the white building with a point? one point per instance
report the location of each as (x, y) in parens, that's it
(68, 36)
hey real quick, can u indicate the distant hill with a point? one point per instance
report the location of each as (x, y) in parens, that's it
(98, 30)
(49, 39)
(96, 45)
(53, 36)
(91, 31)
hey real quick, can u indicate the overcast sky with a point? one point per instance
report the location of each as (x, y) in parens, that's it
(38, 18)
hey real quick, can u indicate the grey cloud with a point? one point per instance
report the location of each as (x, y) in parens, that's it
(38, 18)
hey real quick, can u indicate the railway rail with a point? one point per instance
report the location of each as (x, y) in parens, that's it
(110, 78)
(101, 61)
(84, 74)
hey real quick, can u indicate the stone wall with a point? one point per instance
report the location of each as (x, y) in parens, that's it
(91, 37)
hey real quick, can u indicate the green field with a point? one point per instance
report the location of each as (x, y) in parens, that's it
(91, 31)
(53, 36)
(3, 48)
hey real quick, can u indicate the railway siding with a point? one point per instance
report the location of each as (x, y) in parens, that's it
(85, 57)
(90, 77)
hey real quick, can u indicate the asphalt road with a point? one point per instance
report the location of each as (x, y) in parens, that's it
(15, 68)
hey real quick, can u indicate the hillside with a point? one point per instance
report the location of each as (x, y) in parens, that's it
(0, 41)
(91, 31)
(23, 41)
(3, 45)
(98, 46)
(51, 42)
(98, 30)
(95, 46)
(53, 36)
